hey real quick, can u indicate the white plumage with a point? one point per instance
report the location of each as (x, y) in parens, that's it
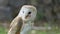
(28, 25)
(28, 15)
(25, 10)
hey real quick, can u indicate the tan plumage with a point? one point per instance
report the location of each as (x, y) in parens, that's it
(16, 26)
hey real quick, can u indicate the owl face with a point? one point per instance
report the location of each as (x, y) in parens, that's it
(28, 13)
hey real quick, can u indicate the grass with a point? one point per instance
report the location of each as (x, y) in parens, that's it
(48, 32)
(2, 30)
(53, 31)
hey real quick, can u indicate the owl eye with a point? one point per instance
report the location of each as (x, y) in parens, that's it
(29, 12)
(23, 11)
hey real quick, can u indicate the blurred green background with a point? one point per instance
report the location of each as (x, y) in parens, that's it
(46, 22)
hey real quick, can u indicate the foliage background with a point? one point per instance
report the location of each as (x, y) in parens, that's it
(48, 16)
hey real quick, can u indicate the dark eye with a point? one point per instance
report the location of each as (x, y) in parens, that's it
(23, 11)
(29, 12)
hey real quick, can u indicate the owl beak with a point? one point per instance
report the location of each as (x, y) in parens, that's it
(27, 16)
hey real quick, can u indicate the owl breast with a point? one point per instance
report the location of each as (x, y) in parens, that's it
(26, 28)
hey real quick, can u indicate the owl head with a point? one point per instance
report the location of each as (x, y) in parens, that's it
(28, 13)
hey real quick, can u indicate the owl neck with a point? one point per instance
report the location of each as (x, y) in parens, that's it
(30, 23)
(26, 27)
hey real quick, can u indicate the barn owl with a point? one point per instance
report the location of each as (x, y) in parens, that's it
(23, 21)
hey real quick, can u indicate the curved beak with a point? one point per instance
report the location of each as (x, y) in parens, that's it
(28, 16)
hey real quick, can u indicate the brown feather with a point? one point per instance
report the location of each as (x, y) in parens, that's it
(16, 26)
